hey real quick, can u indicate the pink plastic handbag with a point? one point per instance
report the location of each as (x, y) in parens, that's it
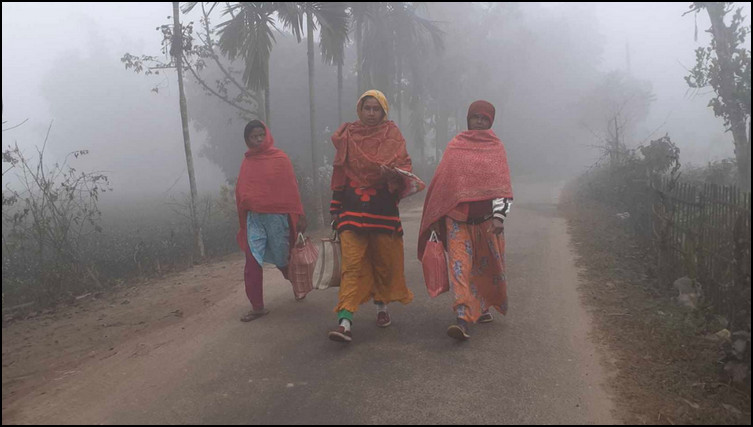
(434, 263)
(303, 258)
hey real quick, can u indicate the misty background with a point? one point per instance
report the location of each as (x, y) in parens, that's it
(552, 70)
(61, 63)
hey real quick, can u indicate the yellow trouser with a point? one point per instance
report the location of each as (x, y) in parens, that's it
(372, 267)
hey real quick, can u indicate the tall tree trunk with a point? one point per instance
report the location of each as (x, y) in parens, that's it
(399, 97)
(359, 58)
(615, 151)
(178, 55)
(267, 108)
(314, 144)
(419, 135)
(724, 44)
(458, 126)
(339, 94)
(441, 133)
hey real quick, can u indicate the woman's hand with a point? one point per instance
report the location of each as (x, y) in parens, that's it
(302, 224)
(333, 221)
(497, 226)
(434, 227)
(388, 172)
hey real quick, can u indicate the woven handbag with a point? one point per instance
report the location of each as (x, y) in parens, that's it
(327, 269)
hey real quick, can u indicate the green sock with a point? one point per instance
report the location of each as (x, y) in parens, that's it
(345, 314)
(345, 318)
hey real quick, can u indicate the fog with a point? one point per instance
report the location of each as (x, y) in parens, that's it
(537, 63)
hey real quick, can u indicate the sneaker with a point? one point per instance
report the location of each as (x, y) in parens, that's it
(340, 335)
(486, 317)
(459, 332)
(383, 319)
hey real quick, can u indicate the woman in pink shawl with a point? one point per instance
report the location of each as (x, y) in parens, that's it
(466, 205)
(270, 212)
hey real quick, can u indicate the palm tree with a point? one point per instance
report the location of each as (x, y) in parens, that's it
(248, 35)
(394, 38)
(332, 43)
(359, 13)
(397, 43)
(417, 36)
(378, 49)
(333, 19)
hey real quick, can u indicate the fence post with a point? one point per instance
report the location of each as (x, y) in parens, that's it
(700, 253)
(661, 219)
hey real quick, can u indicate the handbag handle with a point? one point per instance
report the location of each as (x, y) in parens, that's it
(301, 239)
(433, 237)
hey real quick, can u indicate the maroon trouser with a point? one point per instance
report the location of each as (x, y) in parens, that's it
(253, 275)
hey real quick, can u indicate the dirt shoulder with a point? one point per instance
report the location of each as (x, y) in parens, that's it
(40, 347)
(49, 345)
(667, 364)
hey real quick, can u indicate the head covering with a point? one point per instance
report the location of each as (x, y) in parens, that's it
(266, 144)
(481, 107)
(266, 184)
(362, 149)
(379, 96)
(473, 168)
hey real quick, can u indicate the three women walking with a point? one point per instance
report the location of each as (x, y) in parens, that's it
(466, 205)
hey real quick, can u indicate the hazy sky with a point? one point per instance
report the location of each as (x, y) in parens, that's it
(661, 49)
(36, 36)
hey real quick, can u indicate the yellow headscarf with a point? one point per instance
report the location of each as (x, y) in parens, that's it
(379, 96)
(362, 149)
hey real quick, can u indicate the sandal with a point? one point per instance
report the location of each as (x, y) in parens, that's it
(253, 315)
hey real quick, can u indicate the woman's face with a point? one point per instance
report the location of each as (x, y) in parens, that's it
(371, 112)
(479, 122)
(256, 137)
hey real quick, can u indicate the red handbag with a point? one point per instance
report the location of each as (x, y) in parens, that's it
(303, 258)
(434, 263)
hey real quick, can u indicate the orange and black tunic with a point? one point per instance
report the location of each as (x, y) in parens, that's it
(363, 209)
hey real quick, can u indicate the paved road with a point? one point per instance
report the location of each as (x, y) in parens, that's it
(534, 366)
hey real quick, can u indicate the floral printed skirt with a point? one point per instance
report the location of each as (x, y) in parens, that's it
(477, 268)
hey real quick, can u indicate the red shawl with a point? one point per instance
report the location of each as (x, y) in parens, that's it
(362, 149)
(473, 168)
(266, 184)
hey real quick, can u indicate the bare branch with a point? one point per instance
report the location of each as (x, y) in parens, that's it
(214, 56)
(213, 92)
(26, 120)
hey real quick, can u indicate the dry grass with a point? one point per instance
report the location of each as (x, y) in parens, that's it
(668, 371)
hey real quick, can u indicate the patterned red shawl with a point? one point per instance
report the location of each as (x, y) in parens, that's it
(362, 149)
(473, 168)
(266, 184)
